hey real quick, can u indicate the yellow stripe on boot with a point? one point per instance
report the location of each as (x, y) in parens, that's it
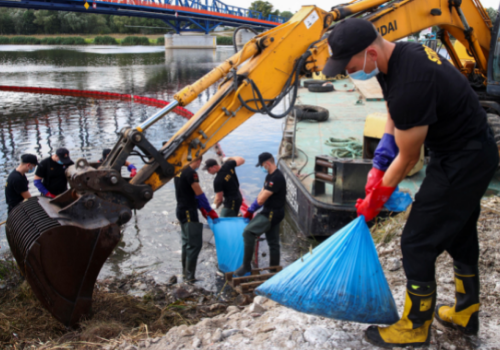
(413, 327)
(448, 314)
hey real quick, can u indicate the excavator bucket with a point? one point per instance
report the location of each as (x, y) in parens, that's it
(59, 258)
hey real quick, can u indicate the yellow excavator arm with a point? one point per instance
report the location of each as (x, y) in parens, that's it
(270, 60)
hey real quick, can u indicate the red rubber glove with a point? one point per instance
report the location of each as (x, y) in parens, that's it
(50, 195)
(248, 215)
(133, 173)
(203, 212)
(373, 202)
(212, 214)
(374, 176)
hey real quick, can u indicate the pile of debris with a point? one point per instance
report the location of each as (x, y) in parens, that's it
(118, 314)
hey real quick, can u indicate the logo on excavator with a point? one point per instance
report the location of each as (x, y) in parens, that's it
(386, 29)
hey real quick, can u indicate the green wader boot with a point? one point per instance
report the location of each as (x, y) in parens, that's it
(194, 233)
(185, 241)
(257, 226)
(464, 315)
(413, 329)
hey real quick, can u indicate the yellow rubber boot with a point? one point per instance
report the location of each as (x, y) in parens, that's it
(413, 329)
(464, 315)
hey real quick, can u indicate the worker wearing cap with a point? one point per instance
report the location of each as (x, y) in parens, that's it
(16, 187)
(50, 175)
(190, 198)
(130, 167)
(430, 102)
(272, 197)
(226, 185)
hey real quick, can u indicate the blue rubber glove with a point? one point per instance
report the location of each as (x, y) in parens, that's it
(385, 152)
(131, 166)
(203, 202)
(254, 207)
(38, 184)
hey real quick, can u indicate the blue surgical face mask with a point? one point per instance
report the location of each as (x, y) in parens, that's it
(59, 162)
(264, 170)
(362, 75)
(31, 171)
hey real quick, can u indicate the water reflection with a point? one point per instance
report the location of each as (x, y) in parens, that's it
(39, 124)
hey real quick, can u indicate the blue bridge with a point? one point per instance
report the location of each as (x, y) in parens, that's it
(180, 15)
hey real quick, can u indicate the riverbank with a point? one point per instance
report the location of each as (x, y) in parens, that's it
(111, 39)
(174, 316)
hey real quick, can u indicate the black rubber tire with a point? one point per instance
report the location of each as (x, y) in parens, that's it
(307, 83)
(321, 88)
(309, 112)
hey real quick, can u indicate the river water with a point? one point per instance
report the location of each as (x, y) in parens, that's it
(39, 124)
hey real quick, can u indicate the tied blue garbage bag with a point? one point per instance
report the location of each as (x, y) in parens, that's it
(342, 278)
(399, 201)
(228, 233)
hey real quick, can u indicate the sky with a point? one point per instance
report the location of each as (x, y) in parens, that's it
(294, 5)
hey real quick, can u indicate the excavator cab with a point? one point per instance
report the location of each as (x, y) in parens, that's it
(493, 87)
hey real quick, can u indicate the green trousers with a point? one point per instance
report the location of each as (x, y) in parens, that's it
(228, 213)
(192, 241)
(261, 224)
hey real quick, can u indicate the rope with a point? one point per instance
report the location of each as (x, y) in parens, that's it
(345, 148)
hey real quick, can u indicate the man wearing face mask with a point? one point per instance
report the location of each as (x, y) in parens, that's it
(50, 176)
(16, 187)
(429, 101)
(272, 197)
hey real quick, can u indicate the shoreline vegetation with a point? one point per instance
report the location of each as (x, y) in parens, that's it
(98, 40)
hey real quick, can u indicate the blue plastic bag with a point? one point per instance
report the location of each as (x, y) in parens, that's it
(228, 233)
(399, 201)
(342, 278)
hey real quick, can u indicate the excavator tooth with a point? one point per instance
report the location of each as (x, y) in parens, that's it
(59, 258)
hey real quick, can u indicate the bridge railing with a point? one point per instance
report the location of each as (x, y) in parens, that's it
(218, 6)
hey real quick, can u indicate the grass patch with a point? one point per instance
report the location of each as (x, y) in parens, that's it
(135, 40)
(24, 40)
(385, 229)
(105, 40)
(224, 40)
(160, 41)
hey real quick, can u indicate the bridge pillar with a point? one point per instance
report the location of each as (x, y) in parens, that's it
(242, 37)
(176, 41)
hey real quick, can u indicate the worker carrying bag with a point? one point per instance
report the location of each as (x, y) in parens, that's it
(228, 234)
(341, 278)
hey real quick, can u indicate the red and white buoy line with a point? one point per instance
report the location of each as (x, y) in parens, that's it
(99, 95)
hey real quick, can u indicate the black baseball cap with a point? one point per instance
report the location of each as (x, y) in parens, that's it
(347, 39)
(263, 157)
(63, 155)
(105, 153)
(29, 158)
(209, 163)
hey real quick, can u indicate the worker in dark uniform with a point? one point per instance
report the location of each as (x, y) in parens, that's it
(226, 185)
(429, 102)
(190, 198)
(16, 187)
(130, 167)
(50, 175)
(272, 197)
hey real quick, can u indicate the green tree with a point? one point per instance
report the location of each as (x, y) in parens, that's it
(265, 7)
(492, 13)
(6, 22)
(286, 14)
(49, 21)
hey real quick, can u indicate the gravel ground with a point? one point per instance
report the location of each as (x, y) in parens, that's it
(265, 324)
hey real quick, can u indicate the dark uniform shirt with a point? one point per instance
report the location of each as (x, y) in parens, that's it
(184, 193)
(422, 88)
(274, 207)
(53, 175)
(227, 182)
(17, 183)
